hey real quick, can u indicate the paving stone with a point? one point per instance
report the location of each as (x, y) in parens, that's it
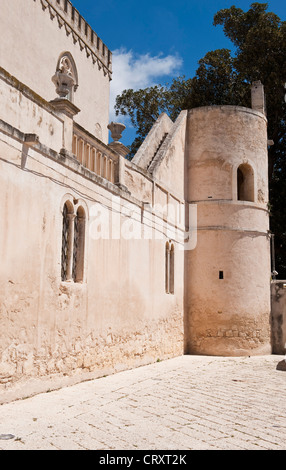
(186, 403)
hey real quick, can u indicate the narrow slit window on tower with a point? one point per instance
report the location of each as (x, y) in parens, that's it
(220, 275)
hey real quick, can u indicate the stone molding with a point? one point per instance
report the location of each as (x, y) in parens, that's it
(80, 31)
(65, 159)
(228, 108)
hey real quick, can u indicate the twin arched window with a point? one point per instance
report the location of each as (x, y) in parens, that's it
(245, 183)
(73, 241)
(169, 268)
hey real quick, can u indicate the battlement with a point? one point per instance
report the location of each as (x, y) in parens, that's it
(82, 33)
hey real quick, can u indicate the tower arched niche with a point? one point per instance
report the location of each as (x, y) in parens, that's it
(245, 183)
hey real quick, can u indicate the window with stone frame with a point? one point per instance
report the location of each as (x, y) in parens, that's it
(73, 243)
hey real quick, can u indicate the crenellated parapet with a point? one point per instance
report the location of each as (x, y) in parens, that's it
(80, 31)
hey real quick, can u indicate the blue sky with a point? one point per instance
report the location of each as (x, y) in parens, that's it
(153, 41)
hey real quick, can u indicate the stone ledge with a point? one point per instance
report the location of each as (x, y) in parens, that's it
(26, 91)
(230, 108)
(68, 160)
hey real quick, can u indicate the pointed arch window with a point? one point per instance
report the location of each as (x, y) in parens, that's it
(73, 241)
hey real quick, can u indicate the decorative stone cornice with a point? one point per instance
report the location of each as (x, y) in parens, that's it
(80, 31)
(65, 106)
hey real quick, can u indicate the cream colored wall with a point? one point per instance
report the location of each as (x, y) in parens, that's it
(148, 148)
(22, 109)
(31, 43)
(229, 316)
(162, 154)
(139, 184)
(170, 164)
(119, 317)
(220, 139)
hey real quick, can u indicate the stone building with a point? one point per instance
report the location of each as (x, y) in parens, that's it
(108, 264)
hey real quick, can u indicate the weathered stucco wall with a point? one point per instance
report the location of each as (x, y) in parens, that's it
(137, 183)
(169, 163)
(119, 316)
(141, 295)
(278, 312)
(152, 142)
(30, 114)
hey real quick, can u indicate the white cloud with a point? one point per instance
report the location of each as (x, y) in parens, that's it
(138, 71)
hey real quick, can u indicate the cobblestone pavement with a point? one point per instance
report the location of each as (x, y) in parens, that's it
(190, 402)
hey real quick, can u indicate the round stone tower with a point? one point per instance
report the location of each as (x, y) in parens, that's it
(227, 293)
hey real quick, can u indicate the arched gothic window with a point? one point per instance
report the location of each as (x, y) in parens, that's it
(73, 241)
(245, 183)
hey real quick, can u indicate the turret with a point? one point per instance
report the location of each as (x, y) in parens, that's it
(227, 300)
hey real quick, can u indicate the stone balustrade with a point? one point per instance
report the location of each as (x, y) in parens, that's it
(94, 155)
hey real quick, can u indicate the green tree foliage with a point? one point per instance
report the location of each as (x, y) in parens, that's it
(259, 38)
(217, 81)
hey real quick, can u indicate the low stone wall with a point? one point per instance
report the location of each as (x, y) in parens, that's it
(278, 307)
